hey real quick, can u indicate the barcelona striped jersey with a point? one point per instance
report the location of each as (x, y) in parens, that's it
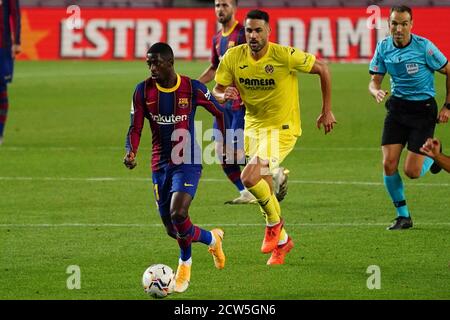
(222, 41)
(9, 23)
(171, 113)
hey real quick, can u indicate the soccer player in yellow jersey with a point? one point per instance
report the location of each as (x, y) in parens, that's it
(265, 75)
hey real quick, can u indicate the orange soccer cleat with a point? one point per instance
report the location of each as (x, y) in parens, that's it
(280, 252)
(182, 277)
(216, 250)
(271, 237)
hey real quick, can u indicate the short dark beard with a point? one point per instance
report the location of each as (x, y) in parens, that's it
(226, 20)
(261, 46)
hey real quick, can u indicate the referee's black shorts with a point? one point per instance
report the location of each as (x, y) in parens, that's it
(409, 122)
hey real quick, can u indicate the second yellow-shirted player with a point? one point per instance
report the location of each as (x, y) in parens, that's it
(265, 75)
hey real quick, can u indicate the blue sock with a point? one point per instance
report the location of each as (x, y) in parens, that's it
(205, 237)
(185, 253)
(427, 163)
(184, 237)
(394, 186)
(233, 172)
(200, 235)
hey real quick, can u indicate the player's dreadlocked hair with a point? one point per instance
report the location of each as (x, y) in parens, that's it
(163, 49)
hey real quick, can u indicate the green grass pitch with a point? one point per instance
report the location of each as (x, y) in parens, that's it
(66, 199)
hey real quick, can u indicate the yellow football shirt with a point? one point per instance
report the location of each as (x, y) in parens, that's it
(269, 86)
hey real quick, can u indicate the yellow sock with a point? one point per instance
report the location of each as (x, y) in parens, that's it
(267, 201)
(283, 235)
(277, 207)
(277, 204)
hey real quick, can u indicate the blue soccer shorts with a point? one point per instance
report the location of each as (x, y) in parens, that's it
(180, 178)
(234, 120)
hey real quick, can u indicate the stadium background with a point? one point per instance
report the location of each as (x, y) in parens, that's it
(124, 29)
(67, 200)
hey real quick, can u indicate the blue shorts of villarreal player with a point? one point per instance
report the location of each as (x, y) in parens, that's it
(6, 65)
(179, 178)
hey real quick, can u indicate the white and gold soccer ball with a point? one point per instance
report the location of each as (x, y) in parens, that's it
(158, 280)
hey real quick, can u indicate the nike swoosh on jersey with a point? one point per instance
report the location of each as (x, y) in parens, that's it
(149, 103)
(243, 67)
(188, 185)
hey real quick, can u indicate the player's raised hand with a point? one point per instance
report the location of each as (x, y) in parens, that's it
(129, 160)
(326, 119)
(231, 93)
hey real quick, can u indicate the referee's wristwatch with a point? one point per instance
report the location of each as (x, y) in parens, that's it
(447, 105)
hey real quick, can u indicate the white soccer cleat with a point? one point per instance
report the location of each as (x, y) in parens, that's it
(245, 198)
(280, 179)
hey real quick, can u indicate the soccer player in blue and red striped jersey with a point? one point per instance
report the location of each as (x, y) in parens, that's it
(9, 47)
(231, 34)
(169, 100)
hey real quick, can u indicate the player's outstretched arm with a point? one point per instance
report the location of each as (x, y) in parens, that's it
(207, 75)
(444, 114)
(326, 117)
(432, 148)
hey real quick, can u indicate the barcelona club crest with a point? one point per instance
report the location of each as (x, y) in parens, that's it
(269, 68)
(183, 102)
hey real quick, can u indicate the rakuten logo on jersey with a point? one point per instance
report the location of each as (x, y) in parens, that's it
(168, 119)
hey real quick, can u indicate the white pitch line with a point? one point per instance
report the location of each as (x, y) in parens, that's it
(230, 225)
(120, 179)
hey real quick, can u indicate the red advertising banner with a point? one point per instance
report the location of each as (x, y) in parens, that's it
(342, 34)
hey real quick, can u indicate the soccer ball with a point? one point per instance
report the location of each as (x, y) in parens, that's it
(158, 280)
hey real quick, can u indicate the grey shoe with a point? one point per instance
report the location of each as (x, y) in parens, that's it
(245, 198)
(280, 186)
